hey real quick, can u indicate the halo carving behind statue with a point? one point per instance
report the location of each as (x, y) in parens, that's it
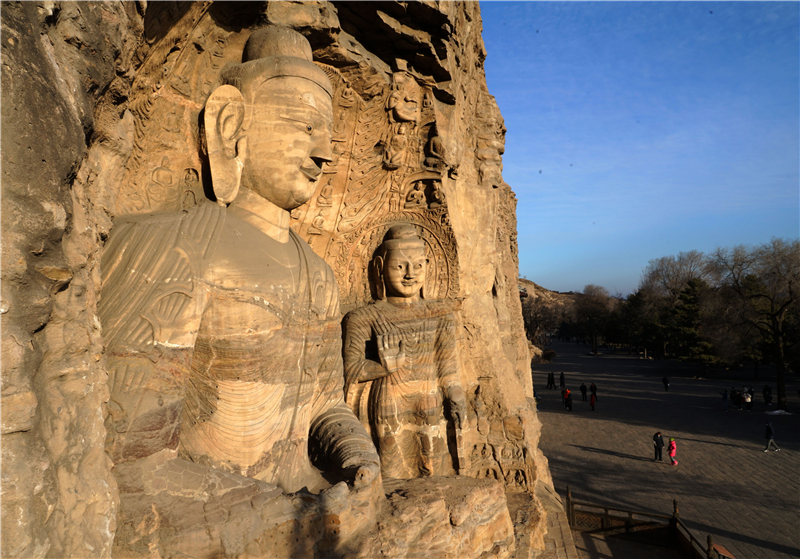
(357, 249)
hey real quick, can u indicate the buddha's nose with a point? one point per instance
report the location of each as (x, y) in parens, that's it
(321, 150)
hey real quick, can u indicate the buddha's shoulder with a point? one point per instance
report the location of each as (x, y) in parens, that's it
(198, 225)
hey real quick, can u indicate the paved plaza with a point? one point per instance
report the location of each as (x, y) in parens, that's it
(726, 486)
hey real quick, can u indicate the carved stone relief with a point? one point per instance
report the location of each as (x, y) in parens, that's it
(225, 368)
(221, 396)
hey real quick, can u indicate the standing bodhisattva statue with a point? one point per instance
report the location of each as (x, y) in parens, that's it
(223, 329)
(406, 346)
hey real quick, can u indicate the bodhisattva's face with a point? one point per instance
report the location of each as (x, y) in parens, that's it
(289, 139)
(404, 272)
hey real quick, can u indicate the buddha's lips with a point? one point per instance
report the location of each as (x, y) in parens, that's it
(311, 170)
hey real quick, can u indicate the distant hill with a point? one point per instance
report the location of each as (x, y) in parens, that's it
(551, 299)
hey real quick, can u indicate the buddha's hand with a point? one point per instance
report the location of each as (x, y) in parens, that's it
(457, 403)
(391, 352)
(367, 475)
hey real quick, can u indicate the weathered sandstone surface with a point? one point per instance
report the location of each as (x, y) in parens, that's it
(101, 110)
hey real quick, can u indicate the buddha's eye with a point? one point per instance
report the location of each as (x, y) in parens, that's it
(307, 126)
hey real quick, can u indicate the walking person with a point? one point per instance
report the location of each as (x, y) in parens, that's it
(748, 400)
(592, 401)
(672, 450)
(569, 400)
(770, 436)
(665, 380)
(658, 445)
(561, 380)
(564, 397)
(593, 389)
(725, 399)
(583, 390)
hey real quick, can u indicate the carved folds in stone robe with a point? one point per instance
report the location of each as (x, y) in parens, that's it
(401, 371)
(264, 377)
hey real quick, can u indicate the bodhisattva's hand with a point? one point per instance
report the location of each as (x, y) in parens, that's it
(390, 351)
(458, 406)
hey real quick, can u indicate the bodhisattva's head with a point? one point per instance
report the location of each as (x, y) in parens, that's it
(401, 264)
(268, 128)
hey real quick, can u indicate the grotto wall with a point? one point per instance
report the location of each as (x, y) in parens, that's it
(101, 112)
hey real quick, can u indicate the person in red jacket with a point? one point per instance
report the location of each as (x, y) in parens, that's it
(672, 449)
(592, 400)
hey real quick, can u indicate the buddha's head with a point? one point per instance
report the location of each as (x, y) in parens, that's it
(400, 264)
(269, 127)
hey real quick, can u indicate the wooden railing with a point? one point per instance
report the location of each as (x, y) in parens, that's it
(618, 519)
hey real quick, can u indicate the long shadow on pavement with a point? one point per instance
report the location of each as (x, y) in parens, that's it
(611, 453)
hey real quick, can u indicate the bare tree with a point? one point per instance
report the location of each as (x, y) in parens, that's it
(539, 318)
(765, 282)
(669, 275)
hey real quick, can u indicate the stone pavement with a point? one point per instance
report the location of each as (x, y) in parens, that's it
(558, 542)
(748, 500)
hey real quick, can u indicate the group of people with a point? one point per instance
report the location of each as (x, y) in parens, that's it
(672, 449)
(566, 393)
(744, 398)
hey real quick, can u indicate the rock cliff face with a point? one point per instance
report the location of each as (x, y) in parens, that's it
(101, 107)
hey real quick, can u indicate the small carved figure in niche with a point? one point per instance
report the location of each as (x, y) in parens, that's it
(396, 150)
(435, 154)
(401, 104)
(316, 225)
(330, 166)
(394, 201)
(427, 102)
(190, 188)
(404, 346)
(416, 197)
(324, 198)
(340, 131)
(438, 196)
(348, 96)
(223, 326)
(160, 189)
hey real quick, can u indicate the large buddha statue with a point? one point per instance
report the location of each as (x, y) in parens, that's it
(405, 347)
(223, 327)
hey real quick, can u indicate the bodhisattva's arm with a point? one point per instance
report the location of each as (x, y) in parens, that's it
(358, 366)
(447, 366)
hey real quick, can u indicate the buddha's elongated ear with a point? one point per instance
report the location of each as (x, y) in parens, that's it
(226, 148)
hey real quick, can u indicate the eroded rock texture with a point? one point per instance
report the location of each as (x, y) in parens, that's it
(101, 106)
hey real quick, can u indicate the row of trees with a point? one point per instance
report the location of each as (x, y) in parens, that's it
(733, 305)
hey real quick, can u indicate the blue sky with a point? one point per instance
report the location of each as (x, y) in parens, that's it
(643, 129)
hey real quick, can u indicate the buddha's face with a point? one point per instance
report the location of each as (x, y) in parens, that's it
(288, 140)
(404, 272)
